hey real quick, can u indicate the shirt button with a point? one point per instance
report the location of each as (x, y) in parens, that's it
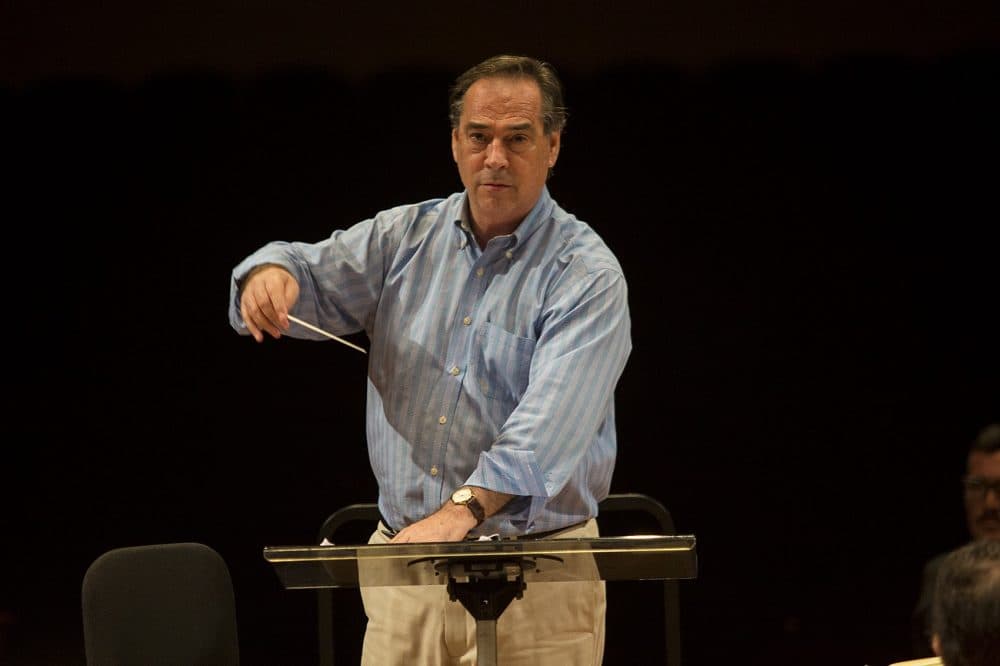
(479, 272)
(455, 371)
(443, 420)
(484, 385)
(467, 321)
(434, 470)
(510, 255)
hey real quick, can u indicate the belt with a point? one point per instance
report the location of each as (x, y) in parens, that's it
(534, 536)
(389, 530)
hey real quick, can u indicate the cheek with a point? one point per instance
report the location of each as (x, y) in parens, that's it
(471, 159)
(468, 167)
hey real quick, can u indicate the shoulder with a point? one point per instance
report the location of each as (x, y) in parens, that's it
(934, 563)
(932, 566)
(579, 246)
(421, 212)
(410, 225)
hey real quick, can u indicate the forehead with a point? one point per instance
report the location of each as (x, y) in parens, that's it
(502, 99)
(984, 464)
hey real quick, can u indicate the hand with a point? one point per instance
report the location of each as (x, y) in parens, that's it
(267, 294)
(449, 523)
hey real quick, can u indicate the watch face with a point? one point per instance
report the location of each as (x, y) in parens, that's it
(461, 495)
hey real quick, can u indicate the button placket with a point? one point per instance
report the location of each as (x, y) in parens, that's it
(457, 348)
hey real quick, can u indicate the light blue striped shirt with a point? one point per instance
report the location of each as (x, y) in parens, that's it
(493, 368)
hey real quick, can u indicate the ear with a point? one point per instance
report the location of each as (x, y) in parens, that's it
(454, 145)
(555, 140)
(936, 644)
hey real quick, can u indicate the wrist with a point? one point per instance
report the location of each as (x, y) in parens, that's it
(458, 516)
(466, 500)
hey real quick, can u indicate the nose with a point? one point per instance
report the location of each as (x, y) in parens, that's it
(496, 155)
(992, 497)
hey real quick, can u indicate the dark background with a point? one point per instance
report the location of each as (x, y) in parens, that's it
(803, 200)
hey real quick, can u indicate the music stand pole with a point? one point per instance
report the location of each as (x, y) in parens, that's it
(485, 589)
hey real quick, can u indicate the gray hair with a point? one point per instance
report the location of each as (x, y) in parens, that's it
(966, 608)
(554, 113)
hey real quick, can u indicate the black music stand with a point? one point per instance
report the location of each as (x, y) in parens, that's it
(486, 576)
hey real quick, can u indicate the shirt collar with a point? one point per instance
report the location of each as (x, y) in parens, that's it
(541, 211)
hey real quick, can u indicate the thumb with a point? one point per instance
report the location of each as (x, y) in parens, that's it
(291, 293)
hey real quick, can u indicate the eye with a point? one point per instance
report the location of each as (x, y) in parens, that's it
(477, 138)
(518, 142)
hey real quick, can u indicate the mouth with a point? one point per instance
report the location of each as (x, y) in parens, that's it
(989, 520)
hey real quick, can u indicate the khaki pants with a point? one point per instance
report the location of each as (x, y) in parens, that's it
(560, 624)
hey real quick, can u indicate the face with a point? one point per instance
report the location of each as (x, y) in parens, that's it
(502, 152)
(982, 508)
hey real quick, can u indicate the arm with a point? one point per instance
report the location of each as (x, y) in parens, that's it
(334, 283)
(452, 521)
(553, 433)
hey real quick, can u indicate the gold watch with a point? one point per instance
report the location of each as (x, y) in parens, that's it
(467, 498)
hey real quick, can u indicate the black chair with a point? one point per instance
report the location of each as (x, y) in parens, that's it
(351, 524)
(620, 514)
(166, 604)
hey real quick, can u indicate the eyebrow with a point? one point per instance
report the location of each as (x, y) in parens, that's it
(509, 128)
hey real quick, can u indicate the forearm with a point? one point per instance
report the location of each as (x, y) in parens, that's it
(492, 501)
(337, 290)
(452, 522)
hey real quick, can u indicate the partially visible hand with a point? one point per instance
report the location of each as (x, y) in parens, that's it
(268, 292)
(449, 523)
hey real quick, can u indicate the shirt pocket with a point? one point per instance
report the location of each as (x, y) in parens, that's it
(503, 364)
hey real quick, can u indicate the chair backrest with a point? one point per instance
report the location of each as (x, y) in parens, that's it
(622, 513)
(165, 604)
(353, 523)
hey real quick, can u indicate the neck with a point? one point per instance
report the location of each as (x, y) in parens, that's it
(486, 232)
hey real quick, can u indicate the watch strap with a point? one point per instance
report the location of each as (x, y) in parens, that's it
(477, 510)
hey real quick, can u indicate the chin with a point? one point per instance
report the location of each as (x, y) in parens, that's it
(991, 533)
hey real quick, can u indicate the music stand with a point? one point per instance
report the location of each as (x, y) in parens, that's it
(486, 576)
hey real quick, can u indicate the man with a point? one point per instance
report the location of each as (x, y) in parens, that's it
(499, 328)
(981, 487)
(966, 607)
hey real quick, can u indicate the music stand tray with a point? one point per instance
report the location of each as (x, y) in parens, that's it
(486, 576)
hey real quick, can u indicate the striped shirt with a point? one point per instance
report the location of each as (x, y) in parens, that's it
(493, 368)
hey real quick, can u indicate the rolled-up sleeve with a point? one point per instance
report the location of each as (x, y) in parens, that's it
(340, 278)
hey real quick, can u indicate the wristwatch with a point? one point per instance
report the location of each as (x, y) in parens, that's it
(466, 497)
